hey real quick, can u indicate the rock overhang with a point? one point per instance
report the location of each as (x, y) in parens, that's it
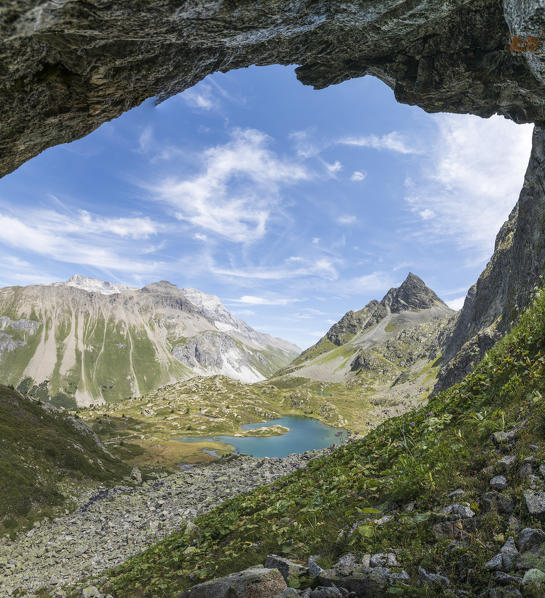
(67, 67)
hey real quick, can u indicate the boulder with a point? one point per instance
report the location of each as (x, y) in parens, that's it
(530, 539)
(136, 475)
(290, 571)
(313, 568)
(256, 582)
(498, 482)
(496, 501)
(533, 577)
(506, 463)
(432, 579)
(459, 511)
(91, 592)
(362, 580)
(535, 502)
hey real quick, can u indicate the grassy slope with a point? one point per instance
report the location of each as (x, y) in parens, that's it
(421, 457)
(40, 452)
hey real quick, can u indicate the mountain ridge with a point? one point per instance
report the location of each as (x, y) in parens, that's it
(105, 342)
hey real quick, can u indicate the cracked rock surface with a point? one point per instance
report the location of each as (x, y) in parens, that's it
(67, 66)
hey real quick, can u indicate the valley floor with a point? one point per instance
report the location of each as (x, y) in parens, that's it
(113, 524)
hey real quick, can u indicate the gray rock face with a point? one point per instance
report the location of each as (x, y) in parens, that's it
(509, 281)
(413, 294)
(257, 582)
(67, 67)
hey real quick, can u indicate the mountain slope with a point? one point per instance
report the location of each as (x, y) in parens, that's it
(42, 450)
(383, 345)
(88, 341)
(508, 283)
(419, 486)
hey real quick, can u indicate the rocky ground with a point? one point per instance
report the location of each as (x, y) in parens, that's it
(111, 525)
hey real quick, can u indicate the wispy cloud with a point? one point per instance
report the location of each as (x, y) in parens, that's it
(465, 190)
(347, 219)
(358, 176)
(79, 239)
(394, 142)
(375, 282)
(201, 97)
(333, 168)
(236, 189)
(323, 267)
(253, 300)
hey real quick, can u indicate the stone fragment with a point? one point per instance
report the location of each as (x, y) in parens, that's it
(533, 576)
(510, 555)
(383, 559)
(495, 563)
(91, 592)
(326, 592)
(136, 475)
(506, 463)
(500, 438)
(256, 582)
(535, 502)
(313, 568)
(530, 539)
(494, 500)
(498, 482)
(290, 571)
(504, 579)
(432, 579)
(458, 510)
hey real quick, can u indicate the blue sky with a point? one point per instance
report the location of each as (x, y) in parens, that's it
(290, 204)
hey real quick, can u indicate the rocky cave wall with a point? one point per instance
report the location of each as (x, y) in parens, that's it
(67, 66)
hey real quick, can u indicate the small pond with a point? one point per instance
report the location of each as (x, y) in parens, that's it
(304, 434)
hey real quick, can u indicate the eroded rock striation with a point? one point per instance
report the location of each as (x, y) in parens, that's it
(68, 66)
(510, 279)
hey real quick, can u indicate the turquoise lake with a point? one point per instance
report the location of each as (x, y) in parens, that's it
(305, 434)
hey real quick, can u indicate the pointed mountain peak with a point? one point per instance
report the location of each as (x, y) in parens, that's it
(412, 294)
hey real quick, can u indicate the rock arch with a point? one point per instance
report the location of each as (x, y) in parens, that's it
(67, 66)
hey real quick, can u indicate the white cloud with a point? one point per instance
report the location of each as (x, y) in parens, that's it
(334, 168)
(305, 146)
(145, 140)
(321, 268)
(471, 179)
(253, 300)
(237, 189)
(376, 282)
(347, 219)
(393, 141)
(200, 237)
(201, 97)
(316, 240)
(427, 214)
(79, 239)
(457, 303)
(358, 176)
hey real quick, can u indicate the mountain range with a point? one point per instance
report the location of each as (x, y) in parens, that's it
(389, 351)
(87, 341)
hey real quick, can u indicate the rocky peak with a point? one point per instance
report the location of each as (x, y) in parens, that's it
(412, 294)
